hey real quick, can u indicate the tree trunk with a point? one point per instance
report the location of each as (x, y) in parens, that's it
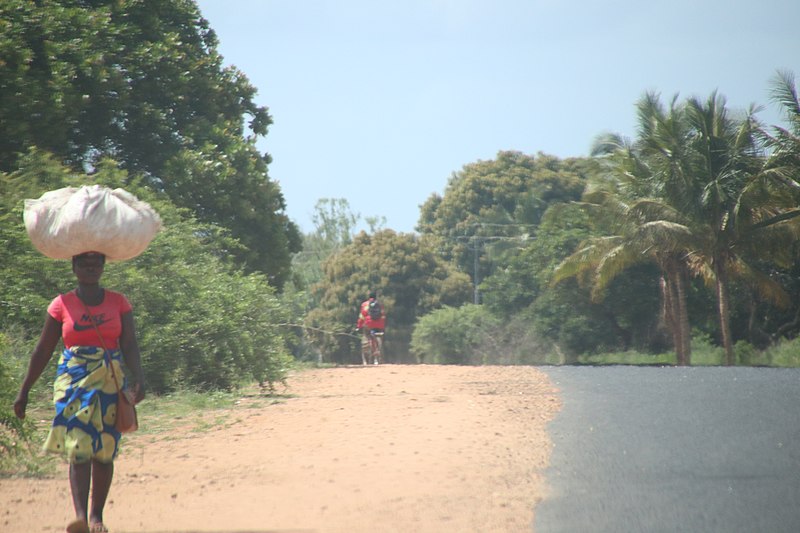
(672, 292)
(668, 315)
(724, 313)
(674, 298)
(683, 316)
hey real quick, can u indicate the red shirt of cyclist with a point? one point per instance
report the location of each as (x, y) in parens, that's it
(366, 321)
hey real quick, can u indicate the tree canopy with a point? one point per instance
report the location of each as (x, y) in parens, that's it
(144, 84)
(502, 199)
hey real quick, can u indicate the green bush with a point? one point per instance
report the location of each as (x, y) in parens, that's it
(705, 352)
(201, 325)
(19, 440)
(472, 334)
(749, 355)
(516, 341)
(455, 335)
(784, 354)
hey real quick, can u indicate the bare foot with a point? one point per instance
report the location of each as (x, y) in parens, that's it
(78, 526)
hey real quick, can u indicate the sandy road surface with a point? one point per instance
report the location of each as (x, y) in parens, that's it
(411, 448)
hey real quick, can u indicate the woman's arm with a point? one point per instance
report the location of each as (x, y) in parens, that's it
(41, 355)
(130, 351)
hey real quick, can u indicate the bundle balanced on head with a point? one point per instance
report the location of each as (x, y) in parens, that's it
(97, 329)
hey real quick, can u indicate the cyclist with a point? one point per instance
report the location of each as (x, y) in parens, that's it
(371, 320)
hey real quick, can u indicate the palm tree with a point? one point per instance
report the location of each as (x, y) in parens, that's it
(645, 230)
(638, 228)
(713, 206)
(741, 212)
(709, 167)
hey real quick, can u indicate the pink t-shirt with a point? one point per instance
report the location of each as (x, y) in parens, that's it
(77, 328)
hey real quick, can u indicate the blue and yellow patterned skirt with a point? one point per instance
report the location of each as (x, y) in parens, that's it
(86, 406)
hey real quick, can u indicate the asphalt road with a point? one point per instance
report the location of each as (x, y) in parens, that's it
(674, 450)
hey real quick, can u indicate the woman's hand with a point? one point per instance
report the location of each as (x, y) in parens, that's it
(138, 392)
(21, 404)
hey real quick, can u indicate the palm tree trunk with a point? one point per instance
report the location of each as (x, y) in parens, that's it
(724, 312)
(672, 294)
(683, 317)
(673, 290)
(669, 317)
(677, 334)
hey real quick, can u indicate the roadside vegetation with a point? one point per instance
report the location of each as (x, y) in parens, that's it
(678, 246)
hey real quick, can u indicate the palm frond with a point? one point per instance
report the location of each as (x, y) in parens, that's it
(612, 264)
(775, 242)
(664, 236)
(700, 266)
(766, 287)
(651, 209)
(784, 92)
(609, 143)
(776, 219)
(784, 143)
(585, 259)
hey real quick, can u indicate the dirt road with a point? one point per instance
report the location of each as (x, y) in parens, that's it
(392, 448)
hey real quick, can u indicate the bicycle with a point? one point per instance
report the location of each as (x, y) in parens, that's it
(372, 348)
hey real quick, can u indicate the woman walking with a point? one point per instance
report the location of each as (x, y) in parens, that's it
(85, 394)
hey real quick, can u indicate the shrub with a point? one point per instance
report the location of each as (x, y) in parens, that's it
(705, 352)
(19, 440)
(784, 354)
(454, 335)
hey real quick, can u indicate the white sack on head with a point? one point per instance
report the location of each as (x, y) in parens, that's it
(71, 221)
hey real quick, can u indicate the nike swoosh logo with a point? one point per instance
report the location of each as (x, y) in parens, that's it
(79, 327)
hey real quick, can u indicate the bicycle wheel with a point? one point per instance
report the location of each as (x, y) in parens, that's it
(377, 349)
(366, 350)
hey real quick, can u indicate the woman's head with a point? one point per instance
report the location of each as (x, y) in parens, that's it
(88, 267)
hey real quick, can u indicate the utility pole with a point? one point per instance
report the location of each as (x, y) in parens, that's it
(476, 244)
(476, 297)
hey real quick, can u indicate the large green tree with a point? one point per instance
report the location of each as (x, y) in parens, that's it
(490, 205)
(143, 82)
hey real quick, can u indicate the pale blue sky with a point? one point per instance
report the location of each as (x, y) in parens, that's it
(379, 102)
